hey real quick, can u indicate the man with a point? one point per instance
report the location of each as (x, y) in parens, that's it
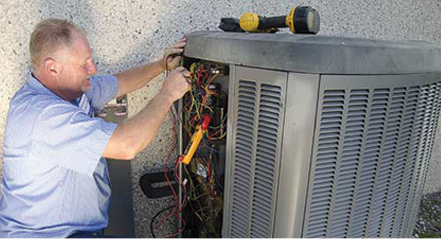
(55, 180)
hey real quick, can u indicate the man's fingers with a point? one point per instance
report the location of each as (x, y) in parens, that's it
(180, 69)
(179, 45)
(174, 51)
(185, 73)
(183, 39)
(174, 57)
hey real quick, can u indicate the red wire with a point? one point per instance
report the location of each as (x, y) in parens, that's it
(164, 169)
(178, 232)
(215, 133)
(163, 220)
(183, 187)
(199, 73)
(178, 217)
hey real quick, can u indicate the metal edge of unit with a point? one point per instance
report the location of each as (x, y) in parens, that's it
(229, 164)
(297, 212)
(315, 54)
(310, 179)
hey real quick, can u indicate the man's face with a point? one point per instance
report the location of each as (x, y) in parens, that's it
(73, 79)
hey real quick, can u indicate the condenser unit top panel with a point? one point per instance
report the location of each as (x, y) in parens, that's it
(314, 53)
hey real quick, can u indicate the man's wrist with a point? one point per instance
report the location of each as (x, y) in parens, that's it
(166, 97)
(161, 65)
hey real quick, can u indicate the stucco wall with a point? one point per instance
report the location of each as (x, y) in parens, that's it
(124, 33)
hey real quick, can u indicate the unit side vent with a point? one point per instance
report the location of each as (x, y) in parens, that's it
(371, 159)
(256, 149)
(244, 152)
(266, 154)
(326, 166)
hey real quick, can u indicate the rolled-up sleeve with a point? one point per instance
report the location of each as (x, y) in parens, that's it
(104, 89)
(67, 136)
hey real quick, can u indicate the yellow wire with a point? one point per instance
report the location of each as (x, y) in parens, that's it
(192, 188)
(195, 109)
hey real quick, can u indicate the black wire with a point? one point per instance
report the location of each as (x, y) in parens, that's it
(154, 218)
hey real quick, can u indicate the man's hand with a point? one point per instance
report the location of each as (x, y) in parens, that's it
(170, 62)
(135, 134)
(175, 85)
(137, 77)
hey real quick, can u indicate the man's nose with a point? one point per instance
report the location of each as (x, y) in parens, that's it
(92, 69)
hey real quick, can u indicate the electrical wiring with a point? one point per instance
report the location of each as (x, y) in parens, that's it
(176, 209)
(165, 170)
(178, 213)
(154, 218)
(192, 193)
(200, 192)
(207, 212)
(198, 99)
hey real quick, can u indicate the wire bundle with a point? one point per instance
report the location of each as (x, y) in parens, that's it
(205, 194)
(197, 103)
(203, 188)
(176, 212)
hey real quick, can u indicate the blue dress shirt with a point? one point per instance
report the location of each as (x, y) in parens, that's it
(55, 181)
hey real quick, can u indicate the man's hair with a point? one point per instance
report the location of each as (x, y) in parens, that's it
(48, 37)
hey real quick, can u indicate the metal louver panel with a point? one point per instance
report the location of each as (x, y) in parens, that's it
(369, 164)
(266, 156)
(327, 153)
(428, 114)
(244, 150)
(256, 150)
(370, 159)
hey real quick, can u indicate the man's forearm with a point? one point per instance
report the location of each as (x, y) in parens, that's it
(135, 134)
(132, 136)
(152, 117)
(136, 78)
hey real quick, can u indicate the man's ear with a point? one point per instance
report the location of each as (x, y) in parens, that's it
(50, 66)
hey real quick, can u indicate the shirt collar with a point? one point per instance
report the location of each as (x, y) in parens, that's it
(35, 84)
(38, 86)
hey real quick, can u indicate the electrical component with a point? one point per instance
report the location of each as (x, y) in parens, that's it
(204, 126)
(195, 140)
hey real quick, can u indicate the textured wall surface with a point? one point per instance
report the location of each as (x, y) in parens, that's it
(124, 33)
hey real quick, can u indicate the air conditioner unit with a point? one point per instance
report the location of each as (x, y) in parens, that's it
(326, 136)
